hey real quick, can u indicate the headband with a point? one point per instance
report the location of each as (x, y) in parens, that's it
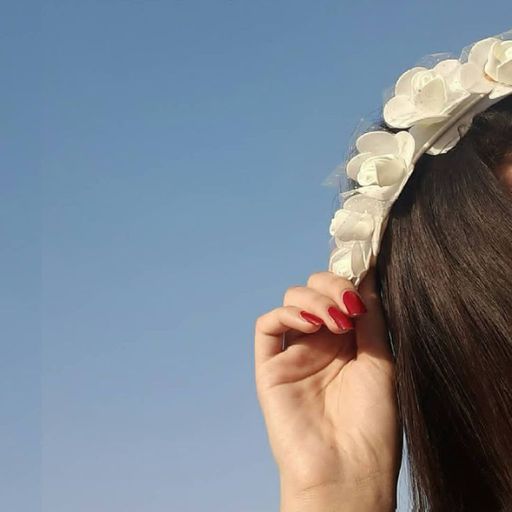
(432, 108)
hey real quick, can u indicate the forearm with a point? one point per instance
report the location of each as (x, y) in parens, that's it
(336, 497)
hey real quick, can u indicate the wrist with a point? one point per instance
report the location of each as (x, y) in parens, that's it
(374, 494)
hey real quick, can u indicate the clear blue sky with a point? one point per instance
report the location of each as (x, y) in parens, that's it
(160, 185)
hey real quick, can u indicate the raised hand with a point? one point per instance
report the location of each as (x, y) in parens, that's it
(328, 399)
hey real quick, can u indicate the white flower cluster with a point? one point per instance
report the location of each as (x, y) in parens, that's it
(432, 108)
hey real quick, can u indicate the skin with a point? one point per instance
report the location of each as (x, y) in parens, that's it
(504, 174)
(328, 400)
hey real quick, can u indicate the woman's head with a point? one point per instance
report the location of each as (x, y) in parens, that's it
(445, 271)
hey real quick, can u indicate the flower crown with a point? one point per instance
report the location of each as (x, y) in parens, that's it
(433, 108)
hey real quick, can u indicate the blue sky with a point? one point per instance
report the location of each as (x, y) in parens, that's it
(160, 185)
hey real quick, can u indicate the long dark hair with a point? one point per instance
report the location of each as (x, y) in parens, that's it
(445, 278)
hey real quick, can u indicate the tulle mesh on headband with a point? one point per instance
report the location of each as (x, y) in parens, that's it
(436, 140)
(337, 177)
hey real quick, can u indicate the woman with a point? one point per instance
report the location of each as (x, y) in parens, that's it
(424, 343)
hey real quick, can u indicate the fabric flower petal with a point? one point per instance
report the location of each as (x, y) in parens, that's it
(361, 257)
(447, 67)
(456, 98)
(400, 112)
(430, 96)
(406, 145)
(364, 204)
(380, 226)
(472, 79)
(479, 52)
(403, 84)
(351, 260)
(376, 208)
(377, 142)
(354, 164)
(381, 170)
(377, 192)
(504, 72)
(424, 133)
(349, 225)
(340, 261)
(504, 51)
(499, 54)
(430, 119)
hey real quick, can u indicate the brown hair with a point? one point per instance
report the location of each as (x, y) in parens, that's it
(445, 274)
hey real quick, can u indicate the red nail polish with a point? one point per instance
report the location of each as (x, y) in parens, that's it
(353, 303)
(342, 320)
(313, 319)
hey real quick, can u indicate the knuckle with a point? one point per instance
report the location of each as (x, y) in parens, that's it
(315, 277)
(291, 291)
(257, 324)
(260, 321)
(332, 303)
(343, 282)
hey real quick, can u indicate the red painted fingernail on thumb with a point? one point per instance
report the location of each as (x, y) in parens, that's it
(342, 320)
(353, 303)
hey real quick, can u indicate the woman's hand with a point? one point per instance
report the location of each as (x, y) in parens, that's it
(329, 399)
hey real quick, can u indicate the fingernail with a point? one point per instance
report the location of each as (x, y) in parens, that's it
(309, 317)
(353, 303)
(342, 320)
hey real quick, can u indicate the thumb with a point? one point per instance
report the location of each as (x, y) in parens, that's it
(371, 328)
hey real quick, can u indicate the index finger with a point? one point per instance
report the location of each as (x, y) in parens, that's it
(339, 289)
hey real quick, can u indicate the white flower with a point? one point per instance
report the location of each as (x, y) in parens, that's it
(499, 65)
(357, 231)
(383, 162)
(349, 225)
(425, 96)
(489, 68)
(433, 109)
(350, 261)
